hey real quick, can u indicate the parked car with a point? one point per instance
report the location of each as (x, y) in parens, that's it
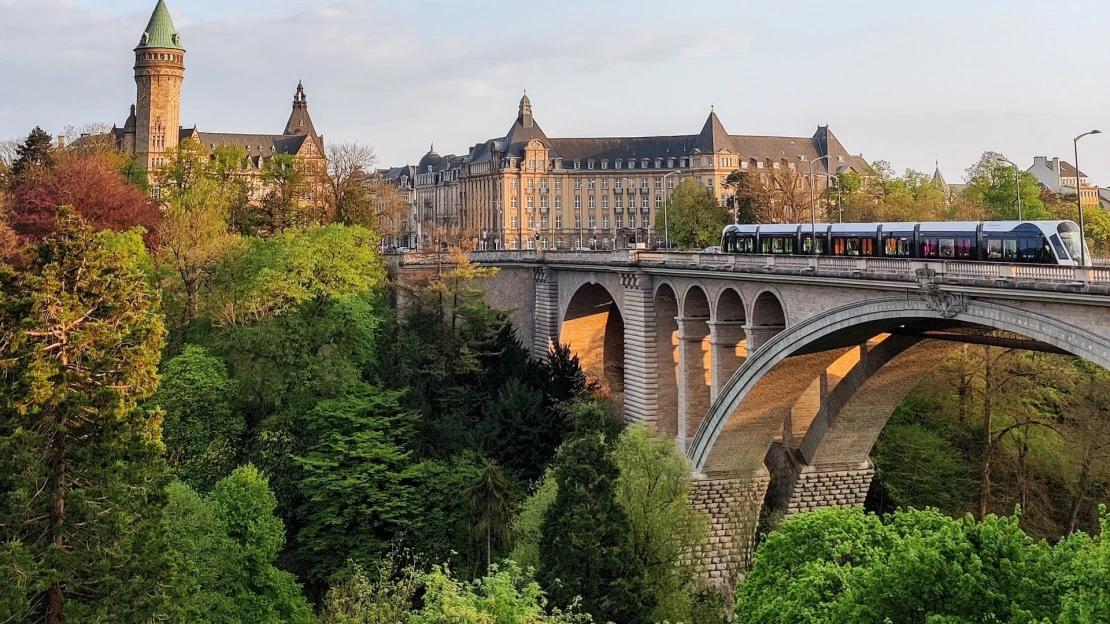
(713, 249)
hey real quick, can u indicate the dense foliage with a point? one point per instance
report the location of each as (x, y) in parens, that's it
(846, 566)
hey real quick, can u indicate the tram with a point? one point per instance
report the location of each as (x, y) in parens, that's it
(1011, 242)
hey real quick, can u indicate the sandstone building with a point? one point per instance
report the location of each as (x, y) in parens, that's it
(153, 129)
(526, 189)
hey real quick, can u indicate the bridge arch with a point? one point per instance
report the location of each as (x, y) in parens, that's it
(593, 326)
(667, 359)
(768, 317)
(742, 423)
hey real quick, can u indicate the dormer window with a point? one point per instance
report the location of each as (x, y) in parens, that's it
(618, 163)
(670, 163)
(658, 163)
(605, 164)
(577, 165)
(631, 163)
(590, 164)
(644, 164)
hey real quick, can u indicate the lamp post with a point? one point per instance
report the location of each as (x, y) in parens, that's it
(1079, 200)
(813, 206)
(666, 223)
(1017, 184)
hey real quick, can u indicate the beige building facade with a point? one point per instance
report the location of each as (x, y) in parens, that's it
(527, 190)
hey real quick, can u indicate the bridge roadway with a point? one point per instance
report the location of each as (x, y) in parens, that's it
(776, 374)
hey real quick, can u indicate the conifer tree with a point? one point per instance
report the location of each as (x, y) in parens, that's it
(80, 476)
(36, 151)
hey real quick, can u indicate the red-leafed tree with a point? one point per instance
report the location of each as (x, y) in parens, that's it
(96, 191)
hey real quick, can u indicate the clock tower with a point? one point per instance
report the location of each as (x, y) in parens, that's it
(159, 72)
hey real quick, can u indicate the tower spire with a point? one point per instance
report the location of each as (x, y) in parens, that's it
(524, 114)
(299, 120)
(160, 31)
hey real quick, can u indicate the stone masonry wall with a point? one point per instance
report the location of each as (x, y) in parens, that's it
(733, 507)
(837, 486)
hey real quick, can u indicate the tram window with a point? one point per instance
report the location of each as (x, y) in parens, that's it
(947, 247)
(898, 247)
(838, 246)
(1028, 248)
(851, 246)
(1009, 249)
(963, 248)
(867, 247)
(994, 250)
(807, 245)
(746, 244)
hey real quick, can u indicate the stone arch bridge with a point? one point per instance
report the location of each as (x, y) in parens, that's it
(775, 375)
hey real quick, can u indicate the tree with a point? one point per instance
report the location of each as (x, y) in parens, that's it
(226, 544)
(347, 162)
(747, 200)
(385, 597)
(186, 166)
(275, 275)
(488, 498)
(586, 549)
(284, 204)
(195, 239)
(506, 596)
(842, 566)
(97, 192)
(653, 489)
(201, 429)
(34, 155)
(354, 477)
(991, 182)
(1087, 429)
(696, 217)
(80, 340)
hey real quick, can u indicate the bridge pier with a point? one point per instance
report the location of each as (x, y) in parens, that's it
(758, 335)
(797, 488)
(694, 387)
(733, 505)
(727, 342)
(641, 390)
(546, 321)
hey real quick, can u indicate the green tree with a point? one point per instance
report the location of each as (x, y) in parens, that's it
(586, 549)
(384, 597)
(653, 489)
(1087, 601)
(488, 498)
(354, 481)
(991, 182)
(186, 166)
(283, 206)
(227, 543)
(841, 566)
(81, 481)
(201, 429)
(507, 596)
(35, 153)
(696, 218)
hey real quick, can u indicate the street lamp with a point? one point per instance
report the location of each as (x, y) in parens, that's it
(1079, 199)
(812, 205)
(666, 224)
(1017, 184)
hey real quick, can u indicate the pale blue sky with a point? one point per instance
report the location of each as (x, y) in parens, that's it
(905, 81)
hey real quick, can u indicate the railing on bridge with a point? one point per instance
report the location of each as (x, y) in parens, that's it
(817, 265)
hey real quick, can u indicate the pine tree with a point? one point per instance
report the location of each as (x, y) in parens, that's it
(81, 482)
(586, 549)
(36, 152)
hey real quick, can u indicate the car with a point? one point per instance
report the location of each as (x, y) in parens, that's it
(713, 249)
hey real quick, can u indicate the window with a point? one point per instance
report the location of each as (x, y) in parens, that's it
(658, 201)
(558, 201)
(512, 183)
(604, 164)
(644, 203)
(591, 184)
(605, 202)
(578, 222)
(593, 222)
(744, 165)
(605, 185)
(577, 201)
(617, 185)
(618, 163)
(593, 202)
(632, 220)
(705, 161)
(514, 244)
(577, 183)
(670, 183)
(620, 221)
(577, 165)
(670, 163)
(658, 183)
(514, 202)
(514, 222)
(558, 222)
(644, 164)
(590, 164)
(531, 184)
(605, 222)
(543, 184)
(543, 201)
(531, 202)
(531, 222)
(558, 184)
(631, 164)
(620, 202)
(530, 243)
(532, 165)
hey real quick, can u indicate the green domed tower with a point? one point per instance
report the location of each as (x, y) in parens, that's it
(159, 72)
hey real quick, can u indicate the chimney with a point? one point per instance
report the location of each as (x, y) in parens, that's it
(1056, 168)
(61, 141)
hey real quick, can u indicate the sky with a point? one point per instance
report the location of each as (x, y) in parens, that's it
(912, 82)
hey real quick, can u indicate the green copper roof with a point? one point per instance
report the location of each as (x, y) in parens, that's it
(160, 32)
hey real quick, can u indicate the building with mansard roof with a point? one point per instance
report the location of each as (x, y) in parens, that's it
(527, 189)
(153, 129)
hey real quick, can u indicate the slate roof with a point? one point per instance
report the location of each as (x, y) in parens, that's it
(160, 32)
(264, 145)
(1067, 170)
